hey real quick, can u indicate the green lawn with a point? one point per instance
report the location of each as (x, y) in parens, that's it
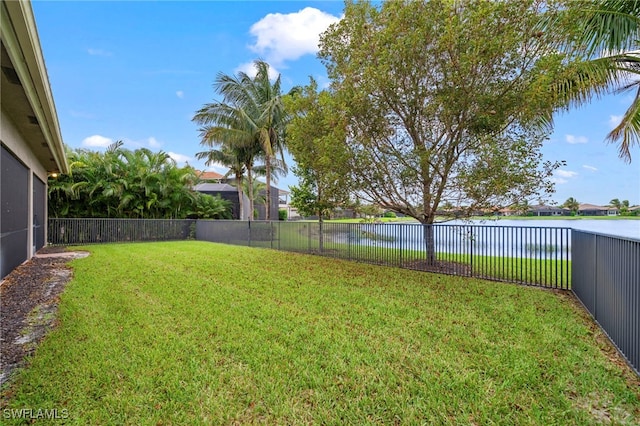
(201, 333)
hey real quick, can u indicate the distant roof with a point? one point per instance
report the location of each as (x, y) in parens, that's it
(545, 208)
(217, 187)
(594, 207)
(209, 175)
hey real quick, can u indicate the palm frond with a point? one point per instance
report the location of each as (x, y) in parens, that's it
(627, 133)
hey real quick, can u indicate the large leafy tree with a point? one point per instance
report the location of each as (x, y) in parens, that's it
(121, 183)
(445, 101)
(250, 115)
(316, 139)
(605, 39)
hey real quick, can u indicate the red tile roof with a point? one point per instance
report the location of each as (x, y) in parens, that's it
(209, 175)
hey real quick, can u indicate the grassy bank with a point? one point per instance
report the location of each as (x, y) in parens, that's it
(201, 333)
(304, 237)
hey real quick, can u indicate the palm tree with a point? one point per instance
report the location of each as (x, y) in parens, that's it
(571, 204)
(608, 44)
(256, 189)
(625, 206)
(123, 183)
(262, 103)
(239, 160)
(615, 203)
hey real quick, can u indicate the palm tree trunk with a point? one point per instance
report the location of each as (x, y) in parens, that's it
(240, 196)
(250, 192)
(267, 165)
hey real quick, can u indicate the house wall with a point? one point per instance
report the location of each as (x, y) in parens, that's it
(22, 198)
(592, 212)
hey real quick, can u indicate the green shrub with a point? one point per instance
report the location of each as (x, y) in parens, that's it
(282, 214)
(389, 214)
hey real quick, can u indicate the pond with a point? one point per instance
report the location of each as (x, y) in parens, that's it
(629, 228)
(542, 239)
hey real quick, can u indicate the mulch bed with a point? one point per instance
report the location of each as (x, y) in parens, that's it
(28, 306)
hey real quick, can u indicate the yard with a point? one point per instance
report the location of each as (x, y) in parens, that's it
(201, 333)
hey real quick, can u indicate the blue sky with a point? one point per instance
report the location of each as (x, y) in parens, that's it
(138, 71)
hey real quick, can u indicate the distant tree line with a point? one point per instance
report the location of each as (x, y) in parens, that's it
(120, 183)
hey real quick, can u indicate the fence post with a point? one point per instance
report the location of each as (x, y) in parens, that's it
(349, 239)
(401, 246)
(471, 238)
(595, 274)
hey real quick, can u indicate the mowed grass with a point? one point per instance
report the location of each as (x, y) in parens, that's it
(202, 333)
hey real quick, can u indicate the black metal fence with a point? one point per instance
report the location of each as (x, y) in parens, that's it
(527, 255)
(91, 231)
(606, 278)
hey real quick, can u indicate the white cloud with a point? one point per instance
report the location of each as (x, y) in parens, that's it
(98, 52)
(179, 158)
(560, 176)
(572, 139)
(566, 173)
(153, 142)
(593, 169)
(558, 180)
(97, 141)
(283, 37)
(614, 120)
(249, 69)
(180, 94)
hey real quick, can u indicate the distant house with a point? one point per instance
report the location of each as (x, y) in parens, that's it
(226, 192)
(31, 147)
(229, 192)
(283, 204)
(543, 210)
(506, 212)
(593, 210)
(210, 177)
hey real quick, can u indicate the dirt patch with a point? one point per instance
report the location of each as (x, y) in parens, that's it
(440, 266)
(29, 303)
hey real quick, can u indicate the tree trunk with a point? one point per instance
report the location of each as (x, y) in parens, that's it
(240, 196)
(430, 243)
(267, 166)
(250, 192)
(428, 232)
